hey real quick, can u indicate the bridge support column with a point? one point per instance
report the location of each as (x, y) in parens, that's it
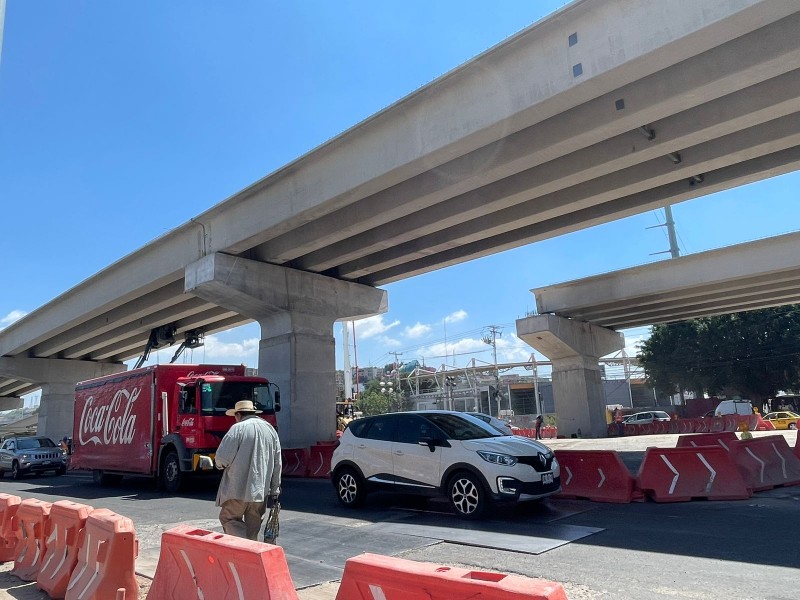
(574, 348)
(296, 311)
(58, 379)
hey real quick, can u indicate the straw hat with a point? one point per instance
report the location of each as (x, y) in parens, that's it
(243, 406)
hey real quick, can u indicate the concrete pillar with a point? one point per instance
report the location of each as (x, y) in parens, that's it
(58, 379)
(574, 348)
(296, 311)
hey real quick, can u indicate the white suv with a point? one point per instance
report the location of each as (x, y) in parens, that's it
(445, 453)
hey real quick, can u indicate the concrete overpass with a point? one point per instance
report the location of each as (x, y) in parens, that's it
(602, 110)
(743, 277)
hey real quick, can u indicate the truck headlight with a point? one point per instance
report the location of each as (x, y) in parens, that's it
(497, 458)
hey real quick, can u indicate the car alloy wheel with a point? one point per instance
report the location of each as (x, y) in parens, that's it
(349, 488)
(466, 495)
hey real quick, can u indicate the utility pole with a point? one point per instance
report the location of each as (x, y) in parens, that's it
(669, 223)
(491, 339)
(398, 390)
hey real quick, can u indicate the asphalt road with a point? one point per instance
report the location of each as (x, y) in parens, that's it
(745, 549)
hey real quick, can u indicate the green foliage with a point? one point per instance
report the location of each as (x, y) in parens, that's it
(754, 353)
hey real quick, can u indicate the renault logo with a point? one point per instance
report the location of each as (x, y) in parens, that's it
(542, 459)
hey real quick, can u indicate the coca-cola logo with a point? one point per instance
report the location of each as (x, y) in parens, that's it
(111, 423)
(193, 374)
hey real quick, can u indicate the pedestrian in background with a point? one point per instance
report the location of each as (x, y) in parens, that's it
(539, 421)
(250, 454)
(618, 421)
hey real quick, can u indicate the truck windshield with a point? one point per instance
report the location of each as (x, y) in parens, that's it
(216, 398)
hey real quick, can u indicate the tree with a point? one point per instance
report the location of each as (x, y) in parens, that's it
(754, 354)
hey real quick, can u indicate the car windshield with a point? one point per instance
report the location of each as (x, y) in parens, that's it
(32, 443)
(462, 427)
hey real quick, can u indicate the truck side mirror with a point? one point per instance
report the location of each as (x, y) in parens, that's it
(277, 400)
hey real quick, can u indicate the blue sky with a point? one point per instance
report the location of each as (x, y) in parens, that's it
(121, 120)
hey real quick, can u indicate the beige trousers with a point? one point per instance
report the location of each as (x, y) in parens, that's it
(242, 519)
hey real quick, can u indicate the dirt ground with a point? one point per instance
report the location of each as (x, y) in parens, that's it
(12, 587)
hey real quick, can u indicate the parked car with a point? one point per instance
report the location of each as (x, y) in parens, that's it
(441, 453)
(498, 424)
(734, 407)
(783, 419)
(646, 417)
(31, 454)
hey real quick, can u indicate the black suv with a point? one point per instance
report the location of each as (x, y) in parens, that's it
(31, 454)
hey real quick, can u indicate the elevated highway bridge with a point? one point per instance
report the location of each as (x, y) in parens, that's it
(602, 110)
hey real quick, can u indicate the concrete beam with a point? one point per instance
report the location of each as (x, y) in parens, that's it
(258, 289)
(563, 143)
(683, 287)
(749, 171)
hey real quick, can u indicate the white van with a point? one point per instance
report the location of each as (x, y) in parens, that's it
(734, 407)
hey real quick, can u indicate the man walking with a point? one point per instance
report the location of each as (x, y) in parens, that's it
(250, 454)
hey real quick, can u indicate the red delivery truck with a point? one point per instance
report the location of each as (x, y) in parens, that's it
(165, 421)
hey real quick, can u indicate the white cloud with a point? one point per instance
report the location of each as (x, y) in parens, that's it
(12, 317)
(417, 330)
(373, 326)
(455, 317)
(385, 340)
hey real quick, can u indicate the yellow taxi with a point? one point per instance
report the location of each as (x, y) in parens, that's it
(783, 419)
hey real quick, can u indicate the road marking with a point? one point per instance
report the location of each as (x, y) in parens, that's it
(671, 468)
(711, 470)
(602, 478)
(759, 461)
(569, 474)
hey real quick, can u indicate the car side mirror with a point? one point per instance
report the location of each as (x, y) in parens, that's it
(430, 442)
(277, 400)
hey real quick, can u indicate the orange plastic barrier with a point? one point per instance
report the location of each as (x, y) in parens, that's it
(598, 475)
(766, 462)
(319, 461)
(685, 426)
(67, 519)
(700, 425)
(681, 474)
(724, 438)
(195, 563)
(716, 424)
(33, 529)
(631, 429)
(106, 559)
(796, 448)
(8, 526)
(294, 462)
(372, 576)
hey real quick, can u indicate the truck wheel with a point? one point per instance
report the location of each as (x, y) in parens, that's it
(171, 476)
(15, 472)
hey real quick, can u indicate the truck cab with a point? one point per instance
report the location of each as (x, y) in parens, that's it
(194, 427)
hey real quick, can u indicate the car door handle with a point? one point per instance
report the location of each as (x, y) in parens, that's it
(398, 452)
(362, 446)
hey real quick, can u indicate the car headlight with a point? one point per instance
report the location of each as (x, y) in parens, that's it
(24, 457)
(497, 458)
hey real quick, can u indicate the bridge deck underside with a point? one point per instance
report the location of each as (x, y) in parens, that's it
(743, 277)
